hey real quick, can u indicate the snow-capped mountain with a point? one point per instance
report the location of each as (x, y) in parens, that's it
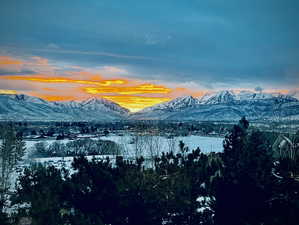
(23, 107)
(218, 98)
(225, 105)
(175, 104)
(102, 104)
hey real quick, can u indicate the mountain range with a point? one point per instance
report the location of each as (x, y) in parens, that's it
(225, 105)
(24, 107)
(218, 106)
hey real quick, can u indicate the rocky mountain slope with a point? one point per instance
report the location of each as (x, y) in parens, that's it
(23, 107)
(219, 106)
(224, 105)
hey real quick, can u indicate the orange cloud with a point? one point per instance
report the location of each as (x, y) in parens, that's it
(176, 92)
(44, 79)
(81, 84)
(35, 64)
(129, 90)
(6, 60)
(281, 91)
(49, 89)
(10, 64)
(131, 102)
(136, 103)
(53, 97)
(10, 92)
(126, 93)
(39, 60)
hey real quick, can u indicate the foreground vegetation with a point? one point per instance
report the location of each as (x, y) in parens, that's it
(250, 183)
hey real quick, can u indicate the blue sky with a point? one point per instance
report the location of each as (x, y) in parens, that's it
(204, 44)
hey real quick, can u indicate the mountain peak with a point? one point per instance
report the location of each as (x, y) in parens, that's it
(23, 107)
(224, 105)
(218, 97)
(189, 100)
(175, 104)
(100, 103)
(27, 98)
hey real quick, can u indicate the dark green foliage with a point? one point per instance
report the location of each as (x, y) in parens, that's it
(283, 205)
(126, 194)
(43, 188)
(243, 189)
(3, 216)
(242, 185)
(93, 192)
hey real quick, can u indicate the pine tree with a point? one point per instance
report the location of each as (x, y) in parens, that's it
(242, 191)
(43, 188)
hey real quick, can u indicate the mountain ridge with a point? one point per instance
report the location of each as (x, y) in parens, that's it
(223, 105)
(24, 107)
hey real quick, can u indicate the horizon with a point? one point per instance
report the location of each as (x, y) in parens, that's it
(153, 53)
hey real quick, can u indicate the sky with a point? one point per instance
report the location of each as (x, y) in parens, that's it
(140, 53)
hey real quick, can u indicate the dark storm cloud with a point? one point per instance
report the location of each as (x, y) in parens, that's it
(205, 41)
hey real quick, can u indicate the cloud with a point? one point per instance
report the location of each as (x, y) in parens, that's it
(5, 91)
(259, 89)
(136, 103)
(21, 72)
(53, 46)
(197, 41)
(18, 86)
(82, 83)
(46, 79)
(28, 65)
(129, 90)
(57, 80)
(113, 70)
(91, 53)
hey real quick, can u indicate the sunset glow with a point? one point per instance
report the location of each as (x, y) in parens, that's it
(140, 89)
(42, 78)
(78, 85)
(136, 103)
(9, 92)
(6, 60)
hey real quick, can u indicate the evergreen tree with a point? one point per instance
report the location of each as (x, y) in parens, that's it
(3, 216)
(93, 192)
(242, 191)
(43, 188)
(12, 150)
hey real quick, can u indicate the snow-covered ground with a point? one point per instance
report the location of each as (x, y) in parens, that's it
(132, 146)
(145, 145)
(129, 143)
(163, 144)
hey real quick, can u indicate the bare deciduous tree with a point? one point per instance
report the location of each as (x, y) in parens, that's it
(171, 144)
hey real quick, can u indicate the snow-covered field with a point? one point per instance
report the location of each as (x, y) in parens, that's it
(162, 144)
(132, 146)
(147, 144)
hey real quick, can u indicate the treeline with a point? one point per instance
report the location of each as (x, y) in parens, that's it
(250, 183)
(62, 130)
(78, 147)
